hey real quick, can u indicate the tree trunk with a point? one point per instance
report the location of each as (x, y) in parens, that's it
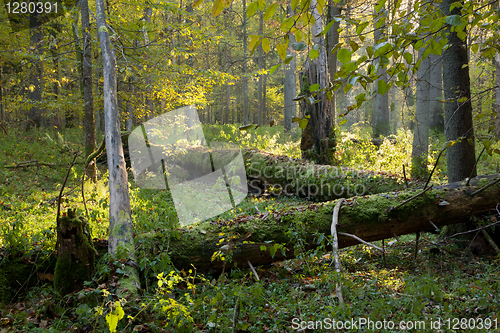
(380, 120)
(260, 105)
(421, 128)
(371, 218)
(36, 74)
(436, 114)
(75, 254)
(121, 240)
(458, 120)
(497, 93)
(332, 39)
(321, 111)
(290, 83)
(245, 80)
(88, 119)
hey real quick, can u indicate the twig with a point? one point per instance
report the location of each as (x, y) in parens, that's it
(404, 174)
(335, 247)
(474, 168)
(417, 237)
(253, 270)
(62, 189)
(360, 240)
(435, 226)
(383, 251)
(413, 197)
(32, 163)
(469, 231)
(236, 313)
(484, 188)
(435, 165)
(491, 241)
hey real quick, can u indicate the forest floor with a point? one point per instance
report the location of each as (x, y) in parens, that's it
(445, 287)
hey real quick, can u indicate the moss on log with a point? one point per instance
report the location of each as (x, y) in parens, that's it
(368, 217)
(284, 175)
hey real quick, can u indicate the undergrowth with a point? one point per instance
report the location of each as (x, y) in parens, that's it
(444, 282)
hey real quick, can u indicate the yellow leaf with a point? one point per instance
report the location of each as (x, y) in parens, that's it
(265, 45)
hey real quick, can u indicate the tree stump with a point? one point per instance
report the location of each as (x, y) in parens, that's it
(75, 253)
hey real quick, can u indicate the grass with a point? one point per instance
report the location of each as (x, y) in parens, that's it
(444, 282)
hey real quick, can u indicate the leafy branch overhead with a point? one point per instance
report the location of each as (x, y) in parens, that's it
(357, 54)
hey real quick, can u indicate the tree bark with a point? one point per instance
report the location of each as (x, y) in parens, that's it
(497, 93)
(121, 240)
(436, 114)
(420, 148)
(245, 79)
(88, 119)
(290, 83)
(321, 111)
(36, 74)
(381, 108)
(371, 218)
(458, 107)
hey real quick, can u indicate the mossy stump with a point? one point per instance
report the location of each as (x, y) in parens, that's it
(75, 253)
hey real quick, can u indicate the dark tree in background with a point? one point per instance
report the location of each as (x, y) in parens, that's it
(458, 107)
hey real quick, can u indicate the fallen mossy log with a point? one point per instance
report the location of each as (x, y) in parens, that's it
(276, 174)
(372, 218)
(284, 175)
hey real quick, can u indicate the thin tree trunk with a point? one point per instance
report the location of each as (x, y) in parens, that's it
(121, 240)
(36, 74)
(381, 104)
(421, 128)
(497, 93)
(332, 39)
(88, 119)
(436, 113)
(260, 105)
(245, 79)
(290, 83)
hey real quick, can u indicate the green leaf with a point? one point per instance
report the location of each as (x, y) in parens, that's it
(274, 68)
(314, 87)
(361, 27)
(263, 247)
(288, 59)
(287, 25)
(246, 127)
(462, 99)
(252, 9)
(336, 47)
(381, 48)
(344, 56)
(294, 4)
(262, 5)
(299, 46)
(353, 45)
(408, 57)
(281, 49)
(270, 11)
(218, 7)
(379, 5)
(325, 30)
(303, 123)
(115, 316)
(313, 54)
(265, 45)
(342, 122)
(454, 20)
(381, 87)
(197, 3)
